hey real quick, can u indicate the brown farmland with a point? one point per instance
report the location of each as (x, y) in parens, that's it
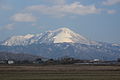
(59, 72)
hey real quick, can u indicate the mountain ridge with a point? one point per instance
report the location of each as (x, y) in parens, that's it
(60, 35)
(59, 43)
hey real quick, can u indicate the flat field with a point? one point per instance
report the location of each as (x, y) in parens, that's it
(59, 72)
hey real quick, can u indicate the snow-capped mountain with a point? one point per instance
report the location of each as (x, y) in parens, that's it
(61, 35)
(21, 40)
(59, 43)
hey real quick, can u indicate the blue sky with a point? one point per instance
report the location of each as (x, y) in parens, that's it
(97, 20)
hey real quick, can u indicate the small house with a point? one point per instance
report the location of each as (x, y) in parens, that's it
(10, 62)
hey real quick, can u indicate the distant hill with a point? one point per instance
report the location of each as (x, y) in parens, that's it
(17, 56)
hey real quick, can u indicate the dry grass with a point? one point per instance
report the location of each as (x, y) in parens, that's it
(59, 72)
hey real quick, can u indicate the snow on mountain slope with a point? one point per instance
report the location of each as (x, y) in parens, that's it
(66, 35)
(60, 35)
(21, 40)
(18, 40)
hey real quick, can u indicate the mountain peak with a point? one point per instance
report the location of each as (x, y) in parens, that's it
(64, 29)
(66, 35)
(61, 35)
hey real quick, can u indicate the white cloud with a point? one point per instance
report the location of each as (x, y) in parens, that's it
(111, 11)
(59, 2)
(9, 26)
(34, 24)
(5, 7)
(111, 2)
(66, 9)
(24, 17)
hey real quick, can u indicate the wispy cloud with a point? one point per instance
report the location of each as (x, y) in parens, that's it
(65, 9)
(111, 2)
(111, 11)
(59, 2)
(5, 7)
(24, 17)
(8, 27)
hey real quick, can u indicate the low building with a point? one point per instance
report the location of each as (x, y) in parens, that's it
(10, 62)
(96, 60)
(3, 62)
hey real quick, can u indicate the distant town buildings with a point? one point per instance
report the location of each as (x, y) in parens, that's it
(64, 60)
